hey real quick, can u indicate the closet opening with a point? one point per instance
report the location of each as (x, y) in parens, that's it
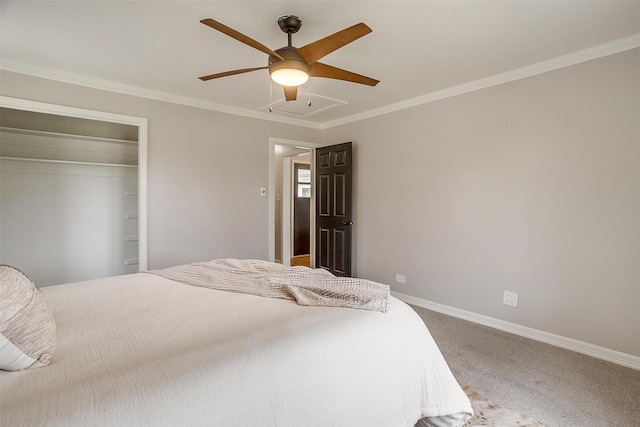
(72, 192)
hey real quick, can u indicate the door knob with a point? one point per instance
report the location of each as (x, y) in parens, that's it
(347, 222)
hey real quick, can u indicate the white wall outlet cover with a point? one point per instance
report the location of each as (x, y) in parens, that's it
(510, 298)
(263, 191)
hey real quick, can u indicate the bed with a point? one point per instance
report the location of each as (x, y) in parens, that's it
(142, 349)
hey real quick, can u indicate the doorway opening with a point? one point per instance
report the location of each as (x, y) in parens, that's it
(301, 211)
(291, 202)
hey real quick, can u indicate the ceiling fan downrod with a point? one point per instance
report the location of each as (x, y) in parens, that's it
(289, 24)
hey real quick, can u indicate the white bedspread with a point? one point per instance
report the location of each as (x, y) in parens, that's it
(144, 350)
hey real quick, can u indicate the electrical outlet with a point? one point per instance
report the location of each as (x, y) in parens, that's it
(400, 278)
(510, 298)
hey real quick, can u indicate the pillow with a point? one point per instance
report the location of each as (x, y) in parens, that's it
(27, 328)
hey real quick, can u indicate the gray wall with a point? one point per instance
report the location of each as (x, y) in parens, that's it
(531, 186)
(205, 170)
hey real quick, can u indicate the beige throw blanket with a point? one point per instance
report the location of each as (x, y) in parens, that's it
(304, 285)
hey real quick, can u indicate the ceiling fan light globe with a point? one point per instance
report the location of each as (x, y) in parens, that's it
(289, 77)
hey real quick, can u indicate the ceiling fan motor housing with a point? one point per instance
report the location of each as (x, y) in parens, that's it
(292, 60)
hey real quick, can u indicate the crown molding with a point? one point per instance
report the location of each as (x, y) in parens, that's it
(574, 58)
(595, 52)
(77, 79)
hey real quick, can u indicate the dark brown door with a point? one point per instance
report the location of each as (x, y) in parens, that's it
(301, 209)
(333, 208)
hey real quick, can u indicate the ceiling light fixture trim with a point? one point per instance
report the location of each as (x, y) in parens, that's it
(292, 71)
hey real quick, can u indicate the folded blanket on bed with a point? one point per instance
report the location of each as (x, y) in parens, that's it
(305, 285)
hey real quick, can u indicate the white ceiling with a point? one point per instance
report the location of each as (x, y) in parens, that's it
(416, 48)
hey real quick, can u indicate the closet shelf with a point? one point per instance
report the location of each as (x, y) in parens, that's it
(66, 135)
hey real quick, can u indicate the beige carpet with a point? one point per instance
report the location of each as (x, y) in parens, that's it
(490, 414)
(558, 387)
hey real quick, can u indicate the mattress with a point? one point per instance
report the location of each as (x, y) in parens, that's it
(143, 350)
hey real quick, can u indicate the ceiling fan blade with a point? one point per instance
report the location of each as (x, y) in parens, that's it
(316, 50)
(327, 71)
(240, 37)
(230, 73)
(290, 92)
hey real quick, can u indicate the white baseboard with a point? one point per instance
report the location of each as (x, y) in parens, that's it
(609, 355)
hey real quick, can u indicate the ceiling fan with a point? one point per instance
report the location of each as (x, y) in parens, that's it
(290, 66)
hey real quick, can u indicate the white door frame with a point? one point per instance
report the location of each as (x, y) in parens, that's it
(272, 193)
(140, 122)
(285, 211)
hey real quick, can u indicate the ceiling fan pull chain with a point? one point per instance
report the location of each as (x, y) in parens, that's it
(270, 96)
(309, 90)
